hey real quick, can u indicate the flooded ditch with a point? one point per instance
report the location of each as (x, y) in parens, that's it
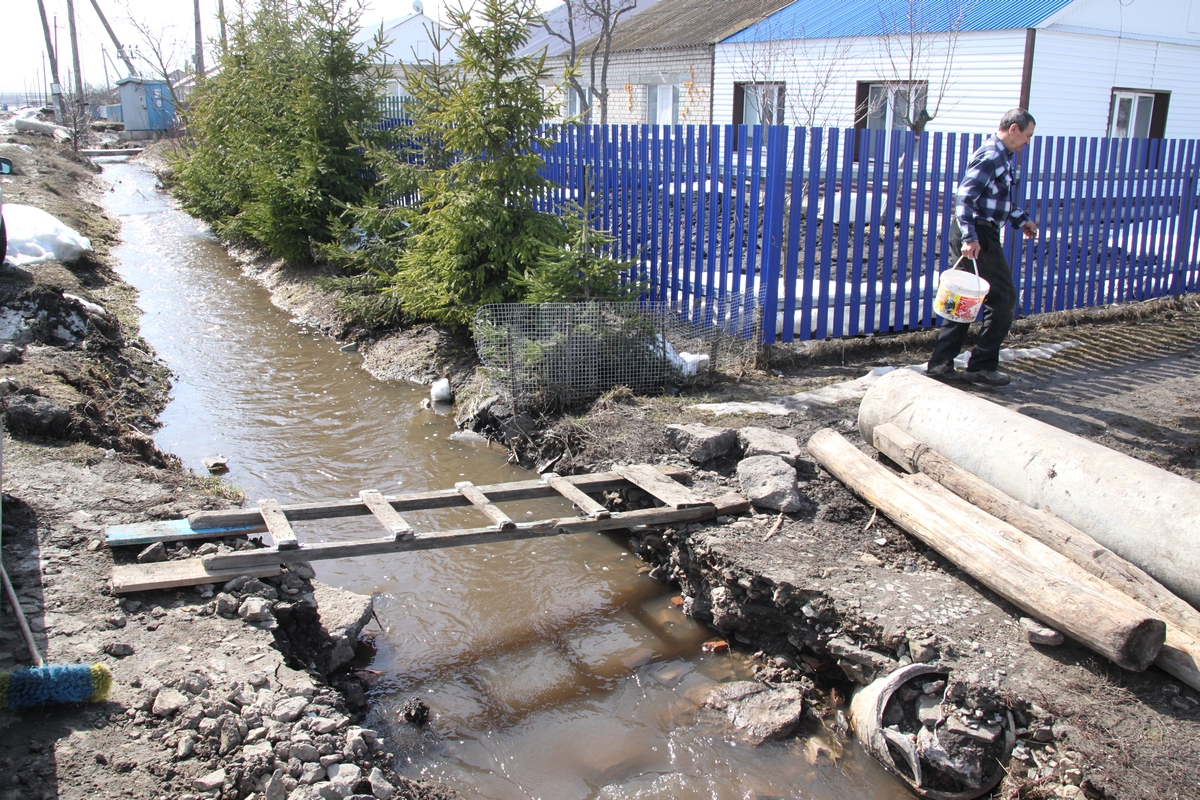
(553, 668)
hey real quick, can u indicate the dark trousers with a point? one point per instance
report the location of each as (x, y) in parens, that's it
(999, 306)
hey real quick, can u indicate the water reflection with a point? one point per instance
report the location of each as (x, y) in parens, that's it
(554, 667)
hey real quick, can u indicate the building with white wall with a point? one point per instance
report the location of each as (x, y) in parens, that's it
(410, 40)
(1082, 67)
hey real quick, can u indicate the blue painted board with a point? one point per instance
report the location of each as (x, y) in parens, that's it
(169, 530)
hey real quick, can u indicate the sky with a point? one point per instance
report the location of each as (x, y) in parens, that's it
(22, 43)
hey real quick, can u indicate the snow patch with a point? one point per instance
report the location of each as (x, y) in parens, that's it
(36, 237)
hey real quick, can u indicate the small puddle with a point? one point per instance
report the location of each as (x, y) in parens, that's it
(554, 668)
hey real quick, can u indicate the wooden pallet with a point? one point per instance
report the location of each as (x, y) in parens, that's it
(680, 505)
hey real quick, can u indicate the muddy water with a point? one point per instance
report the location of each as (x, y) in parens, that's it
(554, 668)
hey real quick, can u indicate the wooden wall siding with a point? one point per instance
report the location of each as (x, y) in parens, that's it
(720, 227)
(1074, 75)
(986, 71)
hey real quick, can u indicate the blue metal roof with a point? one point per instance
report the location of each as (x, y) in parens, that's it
(821, 19)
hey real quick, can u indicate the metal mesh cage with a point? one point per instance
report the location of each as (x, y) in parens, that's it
(557, 355)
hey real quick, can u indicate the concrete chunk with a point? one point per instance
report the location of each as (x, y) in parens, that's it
(770, 482)
(766, 442)
(701, 443)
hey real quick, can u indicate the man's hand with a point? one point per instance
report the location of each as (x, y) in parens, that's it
(1030, 229)
(970, 250)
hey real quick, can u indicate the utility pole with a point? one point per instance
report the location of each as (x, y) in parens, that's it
(133, 73)
(81, 107)
(199, 44)
(55, 87)
(104, 63)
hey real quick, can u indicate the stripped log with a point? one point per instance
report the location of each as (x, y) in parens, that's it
(1180, 653)
(1048, 529)
(1019, 569)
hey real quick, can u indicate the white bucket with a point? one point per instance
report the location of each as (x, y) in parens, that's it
(960, 294)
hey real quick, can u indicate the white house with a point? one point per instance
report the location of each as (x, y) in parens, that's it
(1082, 67)
(410, 40)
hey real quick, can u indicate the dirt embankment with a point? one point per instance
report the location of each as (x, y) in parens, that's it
(246, 689)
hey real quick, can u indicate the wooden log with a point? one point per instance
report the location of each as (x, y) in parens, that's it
(1180, 653)
(1048, 529)
(586, 505)
(250, 521)
(387, 516)
(726, 504)
(654, 483)
(1027, 574)
(481, 501)
(277, 523)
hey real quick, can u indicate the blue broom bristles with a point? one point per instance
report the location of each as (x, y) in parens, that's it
(67, 683)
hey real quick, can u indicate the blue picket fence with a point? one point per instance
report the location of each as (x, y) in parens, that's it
(817, 233)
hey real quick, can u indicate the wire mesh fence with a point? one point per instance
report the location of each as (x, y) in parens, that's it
(558, 355)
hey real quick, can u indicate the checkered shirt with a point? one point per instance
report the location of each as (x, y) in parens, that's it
(985, 191)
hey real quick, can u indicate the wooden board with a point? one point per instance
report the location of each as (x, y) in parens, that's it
(586, 505)
(727, 504)
(188, 572)
(481, 501)
(395, 524)
(170, 530)
(278, 525)
(250, 520)
(650, 480)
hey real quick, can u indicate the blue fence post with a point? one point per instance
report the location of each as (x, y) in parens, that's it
(773, 212)
(795, 221)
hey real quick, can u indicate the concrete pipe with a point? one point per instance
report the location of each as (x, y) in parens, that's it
(1144, 514)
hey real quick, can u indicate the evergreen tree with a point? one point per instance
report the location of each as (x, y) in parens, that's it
(272, 156)
(476, 232)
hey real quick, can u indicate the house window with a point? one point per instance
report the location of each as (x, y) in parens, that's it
(577, 105)
(758, 103)
(662, 104)
(1138, 114)
(891, 106)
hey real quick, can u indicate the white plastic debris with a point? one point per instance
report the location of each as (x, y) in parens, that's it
(36, 237)
(440, 392)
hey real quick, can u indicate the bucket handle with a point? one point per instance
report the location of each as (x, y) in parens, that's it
(974, 264)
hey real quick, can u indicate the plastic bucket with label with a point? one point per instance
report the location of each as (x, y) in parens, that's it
(960, 294)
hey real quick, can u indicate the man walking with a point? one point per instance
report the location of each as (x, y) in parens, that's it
(984, 202)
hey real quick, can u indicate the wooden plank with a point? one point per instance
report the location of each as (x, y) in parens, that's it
(586, 505)
(277, 524)
(418, 501)
(170, 530)
(650, 480)
(726, 504)
(481, 501)
(387, 516)
(188, 572)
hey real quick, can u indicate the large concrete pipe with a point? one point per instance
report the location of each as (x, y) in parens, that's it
(1144, 514)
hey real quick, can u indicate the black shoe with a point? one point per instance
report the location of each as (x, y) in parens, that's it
(988, 378)
(941, 372)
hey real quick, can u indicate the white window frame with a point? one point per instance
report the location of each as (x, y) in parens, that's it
(573, 105)
(883, 100)
(772, 94)
(1126, 118)
(658, 95)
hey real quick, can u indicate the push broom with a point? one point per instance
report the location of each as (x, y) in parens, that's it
(43, 684)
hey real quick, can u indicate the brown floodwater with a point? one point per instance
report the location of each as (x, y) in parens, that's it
(554, 668)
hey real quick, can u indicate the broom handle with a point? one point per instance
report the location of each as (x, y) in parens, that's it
(21, 621)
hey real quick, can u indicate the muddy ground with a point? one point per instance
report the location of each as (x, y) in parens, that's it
(234, 691)
(833, 596)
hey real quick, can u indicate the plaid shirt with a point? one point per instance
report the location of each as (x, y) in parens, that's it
(985, 191)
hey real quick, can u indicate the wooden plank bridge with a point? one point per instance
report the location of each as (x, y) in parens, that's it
(679, 504)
